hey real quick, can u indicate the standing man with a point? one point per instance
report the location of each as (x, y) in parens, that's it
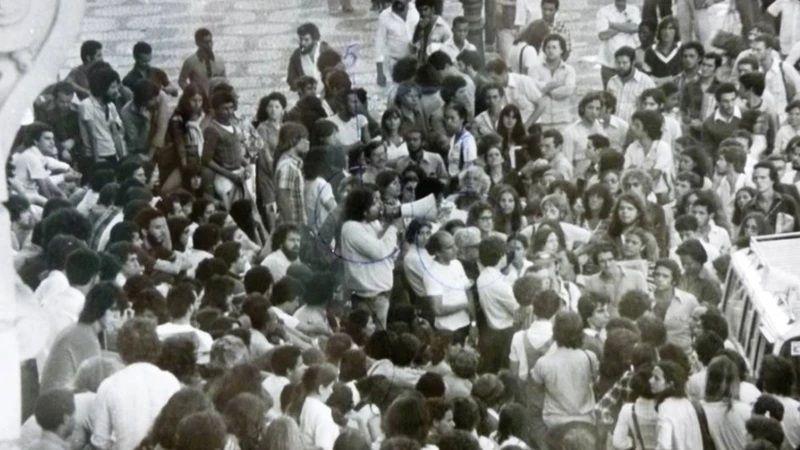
(691, 55)
(393, 37)
(203, 65)
(547, 25)
(519, 90)
(293, 143)
(576, 135)
(431, 32)
(725, 119)
(100, 124)
(142, 55)
(780, 209)
(304, 58)
(613, 280)
(499, 305)
(458, 43)
(628, 84)
(447, 287)
(223, 157)
(617, 27)
(369, 248)
(697, 97)
(91, 52)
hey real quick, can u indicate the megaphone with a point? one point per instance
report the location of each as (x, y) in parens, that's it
(424, 208)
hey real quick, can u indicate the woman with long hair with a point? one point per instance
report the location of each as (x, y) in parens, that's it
(512, 429)
(391, 136)
(726, 413)
(184, 141)
(678, 422)
(636, 423)
(629, 212)
(741, 201)
(754, 224)
(509, 218)
(487, 121)
(319, 198)
(511, 128)
(663, 59)
(597, 204)
(308, 407)
(494, 163)
(267, 123)
(181, 404)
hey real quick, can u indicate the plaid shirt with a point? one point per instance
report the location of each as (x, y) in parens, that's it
(289, 177)
(607, 409)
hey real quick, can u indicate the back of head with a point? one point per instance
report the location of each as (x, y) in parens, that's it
(568, 329)
(137, 341)
(204, 430)
(93, 371)
(350, 439)
(82, 266)
(760, 427)
(53, 408)
(458, 440)
(102, 297)
(400, 443)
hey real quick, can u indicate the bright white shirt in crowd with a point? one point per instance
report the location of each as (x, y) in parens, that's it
(789, 10)
(557, 105)
(497, 299)
(32, 165)
(526, 11)
(106, 234)
(274, 385)
(463, 149)
(452, 49)
(608, 14)
(451, 283)
(350, 131)
(791, 419)
(576, 141)
(538, 334)
(625, 429)
(415, 263)
(55, 282)
(657, 157)
(318, 192)
(204, 340)
(627, 92)
(317, 426)
(726, 424)
(523, 58)
(394, 35)
(718, 238)
(616, 131)
(521, 90)
(678, 426)
(127, 404)
(278, 264)
(368, 258)
(285, 318)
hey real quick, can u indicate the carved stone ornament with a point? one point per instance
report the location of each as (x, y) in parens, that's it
(35, 37)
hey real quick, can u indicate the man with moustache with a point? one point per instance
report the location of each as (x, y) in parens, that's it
(304, 59)
(629, 82)
(100, 124)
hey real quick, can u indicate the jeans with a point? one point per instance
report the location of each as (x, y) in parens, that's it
(649, 13)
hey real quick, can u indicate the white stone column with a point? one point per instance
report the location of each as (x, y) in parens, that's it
(35, 37)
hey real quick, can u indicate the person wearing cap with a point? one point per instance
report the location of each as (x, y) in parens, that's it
(696, 280)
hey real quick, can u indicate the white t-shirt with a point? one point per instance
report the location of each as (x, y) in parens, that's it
(318, 192)
(350, 131)
(204, 340)
(451, 283)
(278, 264)
(461, 146)
(285, 318)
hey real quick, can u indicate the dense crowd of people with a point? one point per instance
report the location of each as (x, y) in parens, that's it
(486, 261)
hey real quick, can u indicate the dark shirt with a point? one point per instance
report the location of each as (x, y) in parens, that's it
(715, 131)
(154, 74)
(222, 147)
(662, 66)
(63, 122)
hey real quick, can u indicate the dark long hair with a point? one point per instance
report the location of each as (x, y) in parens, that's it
(616, 227)
(315, 376)
(518, 134)
(600, 190)
(184, 107)
(502, 222)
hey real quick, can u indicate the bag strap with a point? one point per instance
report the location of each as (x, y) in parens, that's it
(708, 443)
(636, 428)
(522, 68)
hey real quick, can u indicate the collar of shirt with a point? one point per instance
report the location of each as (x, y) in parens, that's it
(737, 113)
